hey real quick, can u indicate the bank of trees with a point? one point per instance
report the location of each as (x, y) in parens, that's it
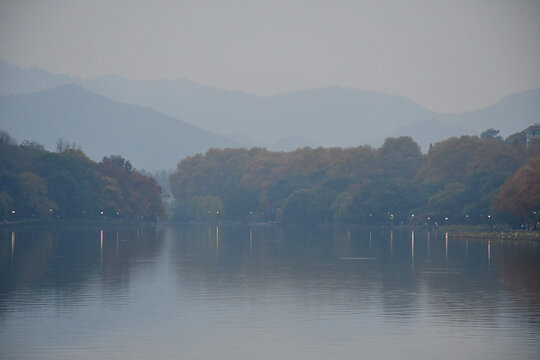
(36, 183)
(461, 180)
(456, 182)
(520, 195)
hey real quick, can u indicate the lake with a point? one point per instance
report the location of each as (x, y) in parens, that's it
(264, 292)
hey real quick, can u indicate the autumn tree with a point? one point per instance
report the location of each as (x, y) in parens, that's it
(520, 195)
(36, 183)
(458, 179)
(127, 193)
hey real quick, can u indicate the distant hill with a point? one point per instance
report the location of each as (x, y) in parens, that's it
(332, 116)
(329, 117)
(17, 80)
(429, 132)
(102, 127)
(511, 114)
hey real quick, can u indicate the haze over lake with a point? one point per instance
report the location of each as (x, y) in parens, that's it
(264, 292)
(269, 179)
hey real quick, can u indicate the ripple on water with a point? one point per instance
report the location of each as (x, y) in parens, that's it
(176, 294)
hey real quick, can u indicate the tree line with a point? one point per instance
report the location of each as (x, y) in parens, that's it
(37, 184)
(466, 180)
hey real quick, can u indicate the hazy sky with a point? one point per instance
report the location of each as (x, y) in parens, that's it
(450, 55)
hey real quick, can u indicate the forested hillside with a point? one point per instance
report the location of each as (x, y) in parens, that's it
(37, 184)
(456, 182)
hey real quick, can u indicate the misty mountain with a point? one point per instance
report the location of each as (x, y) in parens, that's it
(430, 132)
(17, 80)
(511, 114)
(102, 127)
(332, 116)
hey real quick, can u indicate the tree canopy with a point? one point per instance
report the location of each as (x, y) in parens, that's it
(455, 182)
(36, 183)
(520, 194)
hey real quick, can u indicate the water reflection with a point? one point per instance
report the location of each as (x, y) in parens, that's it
(250, 242)
(311, 259)
(241, 292)
(412, 248)
(217, 242)
(62, 262)
(101, 247)
(428, 244)
(391, 242)
(489, 251)
(446, 248)
(12, 246)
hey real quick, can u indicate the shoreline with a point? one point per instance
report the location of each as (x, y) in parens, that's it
(526, 235)
(78, 222)
(455, 232)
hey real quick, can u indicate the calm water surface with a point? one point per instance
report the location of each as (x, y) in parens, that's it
(264, 292)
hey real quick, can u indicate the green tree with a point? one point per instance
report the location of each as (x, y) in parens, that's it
(308, 207)
(32, 196)
(240, 204)
(73, 183)
(6, 205)
(205, 207)
(400, 157)
(448, 202)
(6, 139)
(381, 201)
(491, 133)
(119, 161)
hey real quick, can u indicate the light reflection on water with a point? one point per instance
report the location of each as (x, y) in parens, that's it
(265, 292)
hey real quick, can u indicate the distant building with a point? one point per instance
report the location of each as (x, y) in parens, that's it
(532, 135)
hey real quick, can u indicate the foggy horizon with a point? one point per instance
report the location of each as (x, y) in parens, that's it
(306, 179)
(447, 57)
(264, 95)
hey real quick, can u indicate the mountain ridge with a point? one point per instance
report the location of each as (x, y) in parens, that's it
(330, 116)
(103, 127)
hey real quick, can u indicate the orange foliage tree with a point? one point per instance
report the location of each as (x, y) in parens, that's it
(520, 195)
